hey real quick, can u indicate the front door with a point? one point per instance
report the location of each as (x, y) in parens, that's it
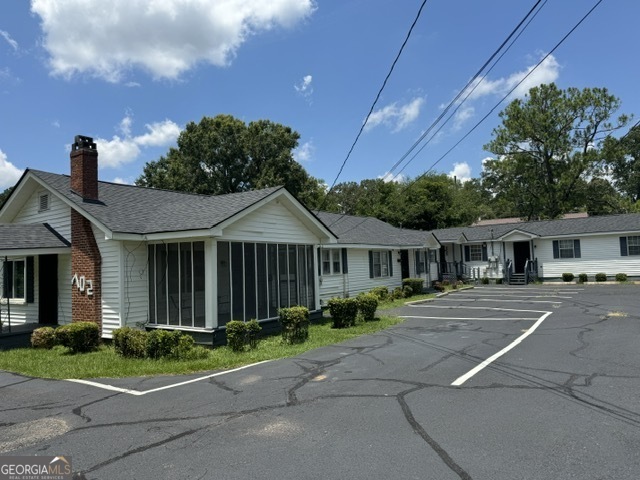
(48, 289)
(521, 254)
(404, 263)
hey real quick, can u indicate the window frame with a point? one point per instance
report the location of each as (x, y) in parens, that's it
(331, 259)
(636, 246)
(562, 246)
(381, 265)
(475, 252)
(11, 288)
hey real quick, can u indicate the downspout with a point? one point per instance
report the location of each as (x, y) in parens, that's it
(6, 260)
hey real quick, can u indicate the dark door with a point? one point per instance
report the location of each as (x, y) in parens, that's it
(404, 263)
(520, 256)
(48, 289)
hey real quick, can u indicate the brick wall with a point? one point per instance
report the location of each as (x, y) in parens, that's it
(84, 170)
(85, 260)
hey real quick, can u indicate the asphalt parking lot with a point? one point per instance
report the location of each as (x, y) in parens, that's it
(537, 382)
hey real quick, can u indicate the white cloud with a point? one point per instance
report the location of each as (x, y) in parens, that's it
(9, 40)
(122, 181)
(164, 37)
(485, 160)
(9, 173)
(462, 171)
(462, 115)
(304, 87)
(304, 153)
(390, 177)
(55, 123)
(126, 148)
(132, 84)
(394, 116)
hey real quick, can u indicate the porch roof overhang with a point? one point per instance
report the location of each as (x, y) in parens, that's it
(31, 239)
(517, 235)
(458, 239)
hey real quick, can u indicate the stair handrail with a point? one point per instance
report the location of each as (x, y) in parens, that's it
(508, 270)
(526, 272)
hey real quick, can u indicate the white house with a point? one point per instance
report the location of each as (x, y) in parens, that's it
(74, 248)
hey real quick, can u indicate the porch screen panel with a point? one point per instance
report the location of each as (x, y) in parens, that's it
(173, 284)
(302, 276)
(18, 279)
(283, 274)
(272, 275)
(262, 280)
(237, 281)
(152, 283)
(250, 290)
(186, 285)
(199, 313)
(311, 284)
(293, 276)
(161, 284)
(224, 284)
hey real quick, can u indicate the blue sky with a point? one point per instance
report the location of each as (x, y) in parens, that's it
(132, 73)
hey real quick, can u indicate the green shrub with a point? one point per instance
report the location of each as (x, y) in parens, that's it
(621, 277)
(79, 337)
(407, 291)
(236, 335)
(397, 293)
(583, 277)
(484, 280)
(130, 342)
(416, 285)
(438, 287)
(161, 343)
(295, 324)
(446, 283)
(568, 277)
(183, 348)
(44, 337)
(343, 311)
(381, 292)
(197, 352)
(499, 281)
(601, 277)
(253, 333)
(367, 305)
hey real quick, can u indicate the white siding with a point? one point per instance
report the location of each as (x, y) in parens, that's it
(358, 280)
(110, 250)
(58, 215)
(64, 289)
(135, 301)
(599, 253)
(271, 223)
(20, 311)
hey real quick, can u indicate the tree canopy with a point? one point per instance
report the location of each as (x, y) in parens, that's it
(548, 146)
(223, 154)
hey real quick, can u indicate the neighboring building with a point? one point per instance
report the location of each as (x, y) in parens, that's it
(372, 253)
(74, 248)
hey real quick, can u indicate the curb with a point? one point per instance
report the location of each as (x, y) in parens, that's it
(438, 295)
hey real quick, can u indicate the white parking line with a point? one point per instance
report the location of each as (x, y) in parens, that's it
(452, 307)
(173, 385)
(471, 318)
(460, 380)
(528, 289)
(474, 294)
(453, 299)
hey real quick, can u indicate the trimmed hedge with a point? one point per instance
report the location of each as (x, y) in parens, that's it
(367, 305)
(242, 334)
(416, 285)
(253, 333)
(79, 337)
(484, 280)
(343, 311)
(295, 324)
(621, 277)
(601, 277)
(44, 337)
(568, 277)
(130, 342)
(583, 277)
(381, 292)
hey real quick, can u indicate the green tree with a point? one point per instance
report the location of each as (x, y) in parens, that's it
(4, 195)
(622, 157)
(224, 155)
(547, 146)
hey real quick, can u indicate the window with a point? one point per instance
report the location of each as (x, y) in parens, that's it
(379, 264)
(176, 284)
(432, 256)
(475, 253)
(14, 279)
(566, 249)
(629, 246)
(326, 262)
(331, 261)
(335, 257)
(420, 262)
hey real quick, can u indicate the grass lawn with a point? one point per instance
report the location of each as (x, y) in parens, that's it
(58, 363)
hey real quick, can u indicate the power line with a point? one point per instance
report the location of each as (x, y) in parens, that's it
(384, 83)
(505, 97)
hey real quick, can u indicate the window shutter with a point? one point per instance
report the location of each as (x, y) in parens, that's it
(345, 263)
(391, 263)
(623, 247)
(370, 264)
(576, 249)
(30, 280)
(319, 262)
(467, 253)
(556, 249)
(5, 279)
(485, 257)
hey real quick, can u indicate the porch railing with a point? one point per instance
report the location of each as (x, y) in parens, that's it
(508, 271)
(531, 270)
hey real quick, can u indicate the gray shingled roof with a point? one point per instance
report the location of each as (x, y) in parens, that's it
(629, 222)
(369, 231)
(16, 236)
(138, 210)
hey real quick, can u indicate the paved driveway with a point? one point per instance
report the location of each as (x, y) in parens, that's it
(489, 383)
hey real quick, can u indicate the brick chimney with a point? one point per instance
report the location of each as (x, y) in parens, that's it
(86, 261)
(84, 168)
